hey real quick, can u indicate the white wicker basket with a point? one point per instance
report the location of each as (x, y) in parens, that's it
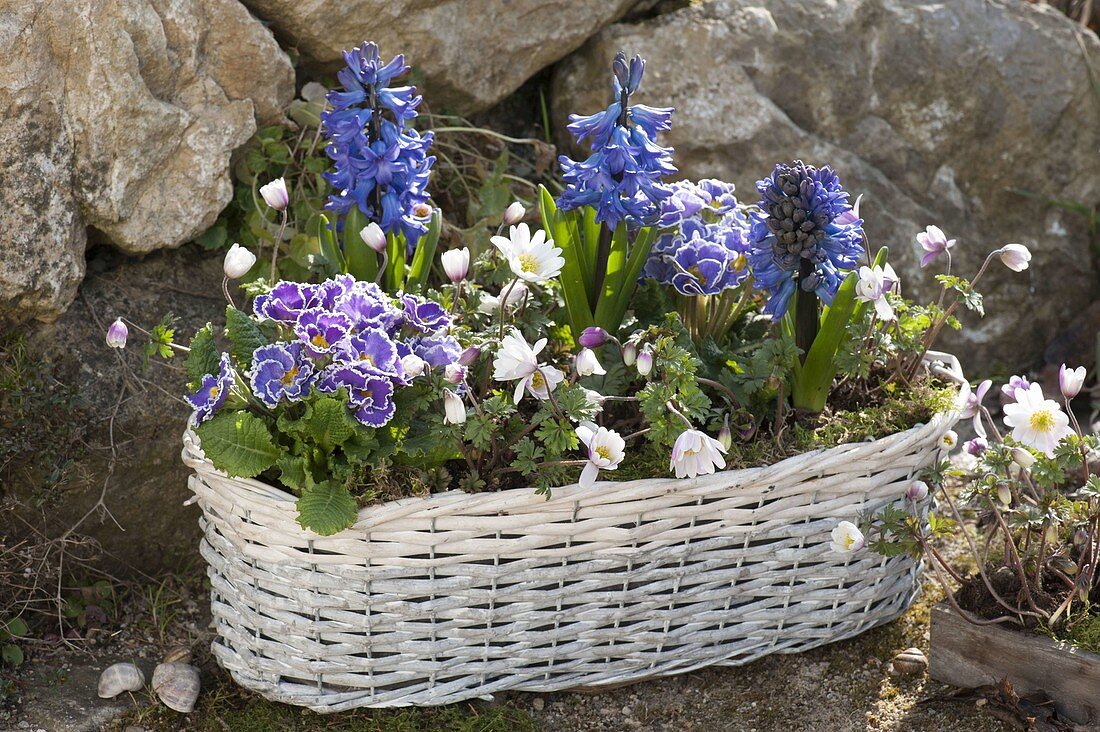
(454, 596)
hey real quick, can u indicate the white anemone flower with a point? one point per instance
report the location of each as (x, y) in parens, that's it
(518, 361)
(542, 382)
(872, 286)
(696, 453)
(606, 449)
(1036, 421)
(490, 304)
(847, 538)
(533, 258)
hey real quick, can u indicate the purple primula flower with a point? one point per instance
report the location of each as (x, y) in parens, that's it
(426, 316)
(1015, 383)
(329, 292)
(439, 351)
(367, 311)
(322, 331)
(286, 301)
(802, 237)
(370, 394)
(708, 253)
(371, 348)
(212, 392)
(973, 406)
(281, 371)
(934, 242)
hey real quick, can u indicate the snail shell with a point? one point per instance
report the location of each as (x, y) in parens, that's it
(177, 685)
(910, 661)
(177, 654)
(120, 678)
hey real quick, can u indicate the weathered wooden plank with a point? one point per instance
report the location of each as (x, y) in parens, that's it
(968, 655)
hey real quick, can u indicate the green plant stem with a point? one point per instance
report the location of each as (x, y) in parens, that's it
(275, 246)
(504, 295)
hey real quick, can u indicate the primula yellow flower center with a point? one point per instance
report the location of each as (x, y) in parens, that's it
(1042, 421)
(214, 392)
(289, 376)
(738, 263)
(528, 263)
(603, 452)
(697, 274)
(368, 358)
(319, 341)
(538, 381)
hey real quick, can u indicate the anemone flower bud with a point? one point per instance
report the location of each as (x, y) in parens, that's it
(593, 337)
(275, 194)
(645, 361)
(917, 491)
(1022, 457)
(1015, 256)
(454, 411)
(630, 354)
(413, 365)
(725, 435)
(1004, 494)
(847, 538)
(456, 263)
(1071, 380)
(587, 364)
(454, 373)
(976, 447)
(467, 357)
(373, 236)
(117, 333)
(514, 213)
(1064, 565)
(238, 261)
(1080, 538)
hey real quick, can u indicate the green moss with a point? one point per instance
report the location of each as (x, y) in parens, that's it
(1085, 634)
(234, 710)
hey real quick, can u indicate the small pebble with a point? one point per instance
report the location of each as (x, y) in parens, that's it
(538, 704)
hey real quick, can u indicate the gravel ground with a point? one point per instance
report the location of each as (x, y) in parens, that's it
(844, 686)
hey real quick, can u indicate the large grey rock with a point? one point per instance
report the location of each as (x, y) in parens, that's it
(120, 116)
(934, 111)
(472, 52)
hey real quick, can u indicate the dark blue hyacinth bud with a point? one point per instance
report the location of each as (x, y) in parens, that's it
(805, 236)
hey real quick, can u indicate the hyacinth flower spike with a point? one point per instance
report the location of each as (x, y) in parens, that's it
(381, 173)
(611, 202)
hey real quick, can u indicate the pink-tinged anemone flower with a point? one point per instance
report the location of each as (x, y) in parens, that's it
(696, 453)
(872, 286)
(1014, 384)
(973, 407)
(117, 334)
(1036, 421)
(934, 242)
(1070, 380)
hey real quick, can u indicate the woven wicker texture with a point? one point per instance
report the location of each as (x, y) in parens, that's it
(454, 596)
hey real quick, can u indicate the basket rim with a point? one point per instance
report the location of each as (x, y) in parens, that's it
(942, 364)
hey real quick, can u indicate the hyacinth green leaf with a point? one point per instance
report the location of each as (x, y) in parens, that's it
(238, 443)
(639, 252)
(425, 254)
(362, 261)
(573, 274)
(613, 281)
(329, 423)
(326, 508)
(326, 237)
(813, 380)
(244, 335)
(395, 262)
(203, 358)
